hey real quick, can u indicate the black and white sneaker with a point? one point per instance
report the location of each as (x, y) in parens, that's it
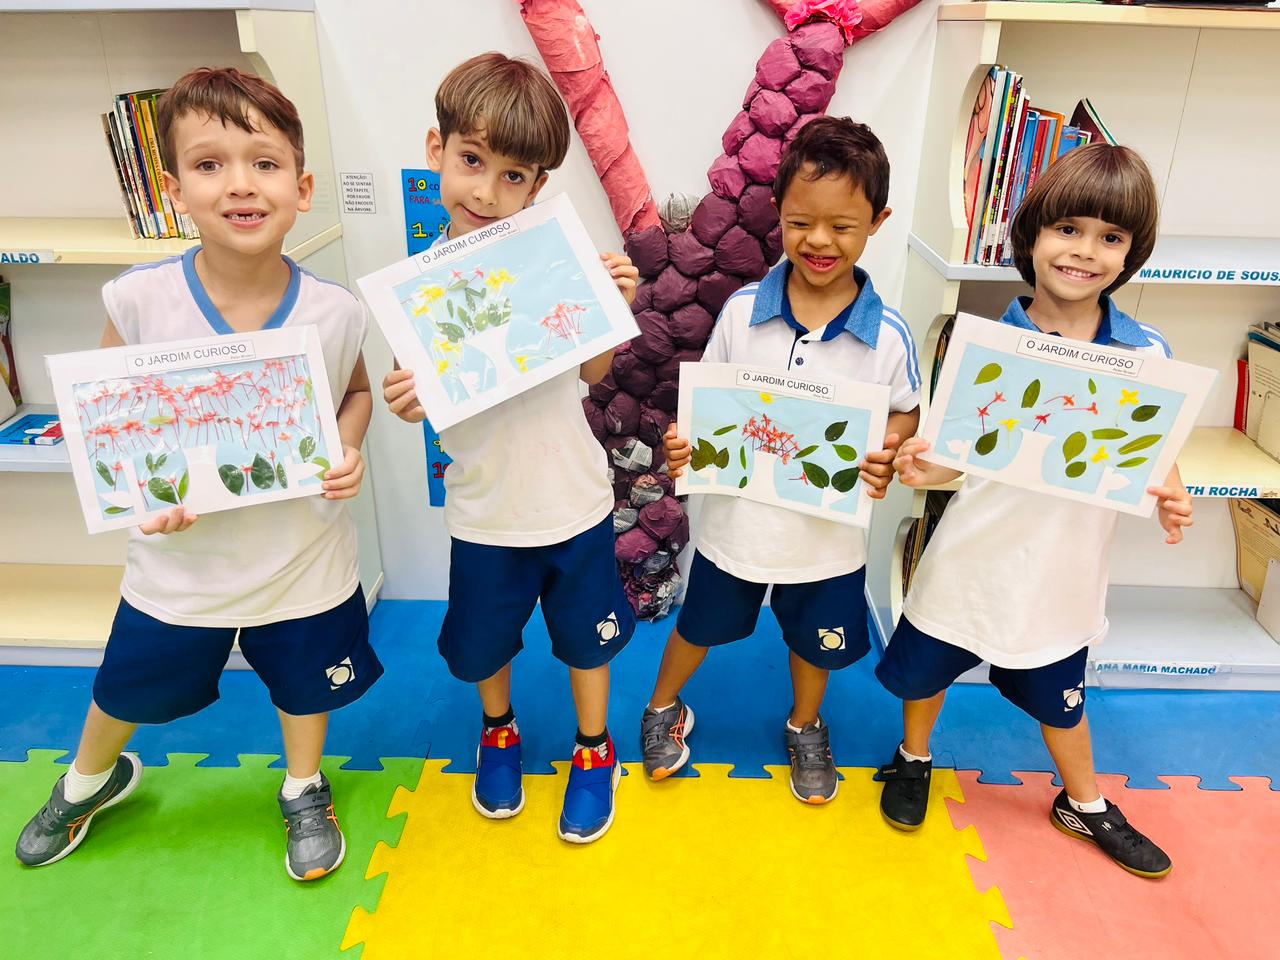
(905, 798)
(1114, 835)
(662, 738)
(814, 778)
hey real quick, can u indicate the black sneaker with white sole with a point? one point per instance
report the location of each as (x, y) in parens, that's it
(662, 739)
(814, 778)
(61, 826)
(905, 798)
(316, 846)
(1114, 835)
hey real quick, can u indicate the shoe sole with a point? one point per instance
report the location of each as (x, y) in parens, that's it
(1145, 874)
(814, 801)
(502, 813)
(318, 872)
(591, 837)
(84, 832)
(663, 772)
(899, 825)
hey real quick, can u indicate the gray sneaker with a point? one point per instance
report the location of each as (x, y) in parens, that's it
(813, 772)
(662, 737)
(316, 844)
(61, 826)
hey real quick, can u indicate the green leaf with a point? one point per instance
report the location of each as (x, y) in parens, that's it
(448, 305)
(311, 391)
(112, 511)
(846, 452)
(723, 430)
(986, 443)
(836, 431)
(451, 330)
(817, 476)
(704, 454)
(284, 483)
(845, 480)
(1133, 462)
(1150, 439)
(807, 451)
(321, 462)
(1093, 387)
(162, 490)
(722, 458)
(151, 464)
(232, 477)
(1109, 433)
(105, 473)
(307, 447)
(263, 474)
(160, 421)
(988, 373)
(1031, 395)
(742, 483)
(1076, 469)
(742, 456)
(1145, 412)
(1074, 445)
(160, 461)
(183, 482)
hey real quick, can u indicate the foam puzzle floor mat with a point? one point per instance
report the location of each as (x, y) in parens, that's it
(191, 865)
(1068, 900)
(709, 866)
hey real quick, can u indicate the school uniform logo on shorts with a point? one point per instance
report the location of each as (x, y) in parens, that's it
(831, 638)
(340, 674)
(608, 628)
(1073, 697)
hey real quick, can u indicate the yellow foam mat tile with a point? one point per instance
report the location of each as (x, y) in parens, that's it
(702, 867)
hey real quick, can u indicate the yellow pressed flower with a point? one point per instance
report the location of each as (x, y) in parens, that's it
(767, 397)
(442, 367)
(1010, 423)
(498, 279)
(522, 362)
(1128, 396)
(1100, 455)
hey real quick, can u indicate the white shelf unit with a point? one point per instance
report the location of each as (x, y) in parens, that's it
(60, 65)
(1178, 85)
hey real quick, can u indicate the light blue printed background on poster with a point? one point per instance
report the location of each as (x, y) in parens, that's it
(1079, 423)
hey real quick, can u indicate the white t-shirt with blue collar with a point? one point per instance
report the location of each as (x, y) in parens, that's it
(259, 564)
(868, 343)
(1018, 577)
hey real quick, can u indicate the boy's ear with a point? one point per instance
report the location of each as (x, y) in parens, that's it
(879, 220)
(537, 185)
(174, 189)
(435, 149)
(306, 190)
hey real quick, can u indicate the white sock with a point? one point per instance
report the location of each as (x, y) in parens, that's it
(1093, 806)
(294, 787)
(902, 752)
(660, 709)
(794, 729)
(78, 788)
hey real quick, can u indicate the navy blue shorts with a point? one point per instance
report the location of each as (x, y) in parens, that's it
(154, 672)
(917, 666)
(493, 590)
(824, 622)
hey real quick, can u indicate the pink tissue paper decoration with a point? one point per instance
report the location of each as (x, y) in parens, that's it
(688, 274)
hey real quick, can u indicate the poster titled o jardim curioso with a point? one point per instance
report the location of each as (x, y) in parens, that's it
(1078, 420)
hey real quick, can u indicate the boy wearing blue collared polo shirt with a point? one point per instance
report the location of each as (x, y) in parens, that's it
(815, 313)
(1082, 231)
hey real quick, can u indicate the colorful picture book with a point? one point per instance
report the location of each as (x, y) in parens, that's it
(1073, 419)
(212, 424)
(779, 438)
(132, 136)
(10, 392)
(498, 311)
(1009, 145)
(41, 429)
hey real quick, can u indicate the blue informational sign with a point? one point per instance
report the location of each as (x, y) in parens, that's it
(424, 220)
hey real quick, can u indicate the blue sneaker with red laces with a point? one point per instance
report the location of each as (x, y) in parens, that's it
(588, 798)
(498, 792)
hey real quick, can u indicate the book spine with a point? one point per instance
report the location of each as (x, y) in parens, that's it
(154, 165)
(991, 226)
(1026, 148)
(999, 91)
(1242, 394)
(125, 199)
(144, 174)
(134, 156)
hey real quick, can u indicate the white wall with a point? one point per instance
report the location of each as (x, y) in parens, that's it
(680, 69)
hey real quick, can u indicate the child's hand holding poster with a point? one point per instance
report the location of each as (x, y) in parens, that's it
(779, 438)
(210, 424)
(1073, 419)
(501, 309)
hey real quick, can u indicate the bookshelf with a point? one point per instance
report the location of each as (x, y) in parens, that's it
(1176, 84)
(60, 64)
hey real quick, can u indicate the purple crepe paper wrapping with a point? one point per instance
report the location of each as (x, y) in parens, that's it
(644, 298)
(777, 67)
(648, 250)
(670, 369)
(821, 47)
(665, 396)
(738, 252)
(654, 345)
(772, 111)
(809, 93)
(759, 158)
(715, 288)
(677, 540)
(773, 245)
(653, 425)
(689, 256)
(661, 518)
(622, 415)
(713, 217)
(603, 391)
(595, 418)
(672, 289)
(635, 546)
(691, 326)
(726, 178)
(738, 131)
(756, 210)
(798, 126)
(634, 374)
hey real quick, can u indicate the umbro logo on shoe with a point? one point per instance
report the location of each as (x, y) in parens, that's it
(831, 638)
(1073, 697)
(1069, 819)
(340, 674)
(608, 629)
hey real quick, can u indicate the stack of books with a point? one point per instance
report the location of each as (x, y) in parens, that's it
(1009, 145)
(133, 137)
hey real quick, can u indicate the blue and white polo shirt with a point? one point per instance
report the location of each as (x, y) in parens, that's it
(867, 342)
(1018, 577)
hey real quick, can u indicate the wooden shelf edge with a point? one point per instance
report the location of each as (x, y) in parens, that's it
(1110, 15)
